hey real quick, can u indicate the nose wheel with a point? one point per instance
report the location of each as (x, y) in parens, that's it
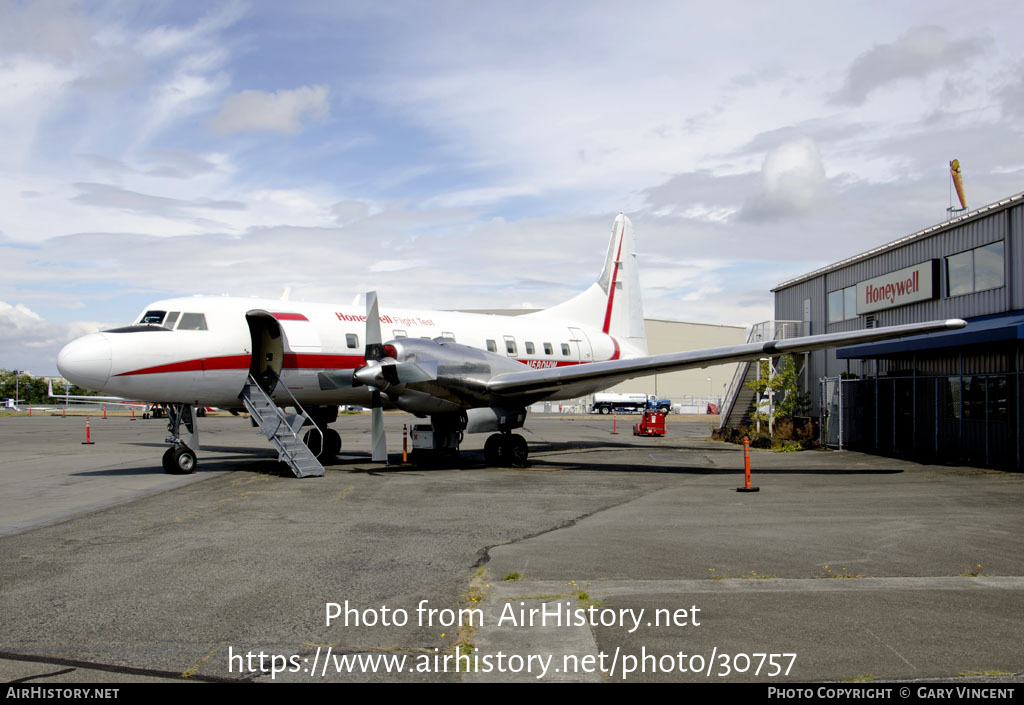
(179, 461)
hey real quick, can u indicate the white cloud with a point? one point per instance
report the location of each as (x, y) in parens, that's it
(792, 183)
(29, 341)
(281, 111)
(916, 54)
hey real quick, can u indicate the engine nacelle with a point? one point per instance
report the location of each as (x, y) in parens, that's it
(491, 419)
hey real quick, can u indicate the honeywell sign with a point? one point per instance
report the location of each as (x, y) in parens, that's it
(907, 286)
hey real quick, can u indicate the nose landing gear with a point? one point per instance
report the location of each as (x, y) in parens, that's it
(180, 458)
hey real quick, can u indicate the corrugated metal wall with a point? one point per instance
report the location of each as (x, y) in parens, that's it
(1006, 224)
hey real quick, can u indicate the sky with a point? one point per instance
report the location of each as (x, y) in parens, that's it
(474, 155)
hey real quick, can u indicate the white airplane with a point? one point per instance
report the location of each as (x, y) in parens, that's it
(469, 373)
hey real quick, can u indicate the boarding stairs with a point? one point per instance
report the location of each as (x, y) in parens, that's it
(740, 401)
(282, 429)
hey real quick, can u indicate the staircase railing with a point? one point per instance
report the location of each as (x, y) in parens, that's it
(759, 333)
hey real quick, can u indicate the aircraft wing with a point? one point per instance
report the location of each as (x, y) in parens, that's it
(580, 379)
(89, 399)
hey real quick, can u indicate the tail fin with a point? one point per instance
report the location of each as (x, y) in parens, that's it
(612, 304)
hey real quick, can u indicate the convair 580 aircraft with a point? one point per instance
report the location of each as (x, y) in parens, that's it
(469, 373)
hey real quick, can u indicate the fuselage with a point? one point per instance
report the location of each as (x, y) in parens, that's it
(199, 350)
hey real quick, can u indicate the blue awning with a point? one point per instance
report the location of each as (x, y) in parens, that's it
(997, 328)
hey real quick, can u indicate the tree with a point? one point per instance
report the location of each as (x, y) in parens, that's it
(784, 388)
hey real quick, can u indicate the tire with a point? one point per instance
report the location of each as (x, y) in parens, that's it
(168, 462)
(605, 410)
(315, 443)
(517, 452)
(332, 439)
(493, 448)
(179, 461)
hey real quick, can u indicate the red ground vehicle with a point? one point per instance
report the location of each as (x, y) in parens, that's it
(653, 424)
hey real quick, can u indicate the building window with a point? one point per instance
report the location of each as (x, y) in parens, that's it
(979, 269)
(988, 267)
(842, 304)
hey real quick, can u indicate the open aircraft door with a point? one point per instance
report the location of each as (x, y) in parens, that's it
(267, 349)
(279, 340)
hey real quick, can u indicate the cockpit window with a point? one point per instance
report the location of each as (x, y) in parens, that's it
(172, 318)
(192, 321)
(152, 318)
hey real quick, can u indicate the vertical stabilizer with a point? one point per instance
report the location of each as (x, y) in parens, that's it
(612, 304)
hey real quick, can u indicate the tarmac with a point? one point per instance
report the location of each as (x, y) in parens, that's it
(611, 558)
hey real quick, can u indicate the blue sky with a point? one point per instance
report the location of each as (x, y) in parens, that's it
(458, 154)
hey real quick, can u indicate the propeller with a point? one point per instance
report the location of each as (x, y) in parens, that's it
(374, 352)
(383, 372)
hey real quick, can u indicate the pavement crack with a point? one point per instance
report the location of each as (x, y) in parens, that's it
(51, 674)
(483, 556)
(110, 668)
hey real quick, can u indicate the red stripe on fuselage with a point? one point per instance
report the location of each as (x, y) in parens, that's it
(303, 361)
(611, 286)
(289, 316)
(292, 361)
(312, 361)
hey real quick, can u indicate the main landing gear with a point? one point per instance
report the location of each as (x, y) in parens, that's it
(506, 449)
(325, 447)
(327, 444)
(439, 442)
(180, 458)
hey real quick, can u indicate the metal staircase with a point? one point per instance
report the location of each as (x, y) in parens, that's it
(738, 407)
(283, 429)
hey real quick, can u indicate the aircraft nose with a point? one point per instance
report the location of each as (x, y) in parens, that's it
(86, 361)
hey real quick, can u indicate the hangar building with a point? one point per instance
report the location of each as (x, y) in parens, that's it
(951, 397)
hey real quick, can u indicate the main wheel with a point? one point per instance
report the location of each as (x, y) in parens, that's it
(605, 410)
(315, 443)
(492, 449)
(332, 443)
(517, 451)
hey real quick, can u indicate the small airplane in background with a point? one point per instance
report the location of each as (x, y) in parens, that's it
(466, 373)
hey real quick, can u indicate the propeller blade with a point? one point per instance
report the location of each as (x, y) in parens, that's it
(374, 349)
(377, 435)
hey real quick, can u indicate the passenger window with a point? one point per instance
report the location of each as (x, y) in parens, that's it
(352, 340)
(492, 346)
(400, 334)
(510, 345)
(192, 321)
(172, 318)
(153, 318)
(565, 349)
(548, 350)
(529, 348)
